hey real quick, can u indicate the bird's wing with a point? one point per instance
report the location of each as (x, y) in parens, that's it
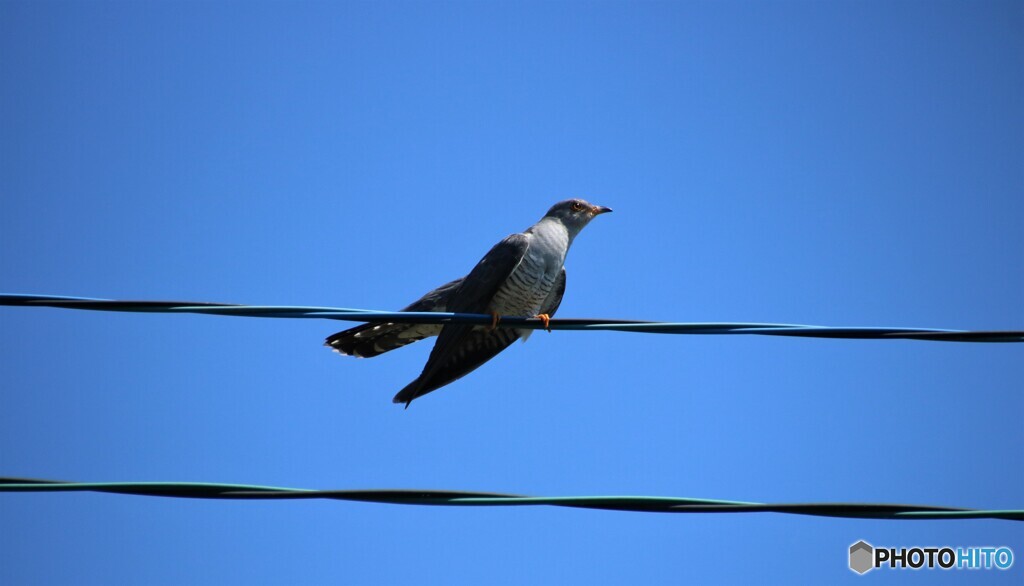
(475, 348)
(369, 340)
(459, 348)
(477, 290)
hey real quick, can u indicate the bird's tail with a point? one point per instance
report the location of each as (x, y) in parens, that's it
(369, 340)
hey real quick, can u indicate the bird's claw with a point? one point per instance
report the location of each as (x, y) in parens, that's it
(546, 320)
(495, 318)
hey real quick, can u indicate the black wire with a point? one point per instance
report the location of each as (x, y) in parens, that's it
(638, 326)
(464, 498)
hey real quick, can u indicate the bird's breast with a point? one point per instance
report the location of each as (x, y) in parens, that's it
(524, 292)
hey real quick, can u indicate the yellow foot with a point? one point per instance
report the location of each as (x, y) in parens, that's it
(546, 320)
(495, 318)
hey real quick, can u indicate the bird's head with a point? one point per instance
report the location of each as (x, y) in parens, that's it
(574, 214)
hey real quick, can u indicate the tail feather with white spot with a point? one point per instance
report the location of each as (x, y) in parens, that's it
(369, 340)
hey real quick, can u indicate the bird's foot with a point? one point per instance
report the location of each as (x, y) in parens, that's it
(546, 320)
(495, 318)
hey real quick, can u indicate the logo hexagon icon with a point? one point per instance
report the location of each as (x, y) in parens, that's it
(861, 554)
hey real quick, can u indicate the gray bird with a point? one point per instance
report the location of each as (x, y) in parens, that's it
(522, 276)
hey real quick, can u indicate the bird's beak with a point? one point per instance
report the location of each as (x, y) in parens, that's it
(597, 210)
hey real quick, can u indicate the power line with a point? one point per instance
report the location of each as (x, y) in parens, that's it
(645, 504)
(620, 325)
(461, 498)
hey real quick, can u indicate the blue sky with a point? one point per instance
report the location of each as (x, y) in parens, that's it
(840, 163)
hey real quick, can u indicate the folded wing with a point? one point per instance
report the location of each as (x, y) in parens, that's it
(460, 348)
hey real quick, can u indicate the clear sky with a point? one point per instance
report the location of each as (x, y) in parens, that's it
(849, 163)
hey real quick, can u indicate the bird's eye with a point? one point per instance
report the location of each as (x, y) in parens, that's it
(577, 206)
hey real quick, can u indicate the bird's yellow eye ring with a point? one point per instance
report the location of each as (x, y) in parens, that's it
(577, 206)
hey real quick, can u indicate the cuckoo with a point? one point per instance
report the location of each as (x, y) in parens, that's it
(521, 276)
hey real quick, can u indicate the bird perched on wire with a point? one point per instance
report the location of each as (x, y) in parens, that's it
(521, 276)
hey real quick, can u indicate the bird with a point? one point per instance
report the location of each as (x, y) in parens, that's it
(523, 275)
